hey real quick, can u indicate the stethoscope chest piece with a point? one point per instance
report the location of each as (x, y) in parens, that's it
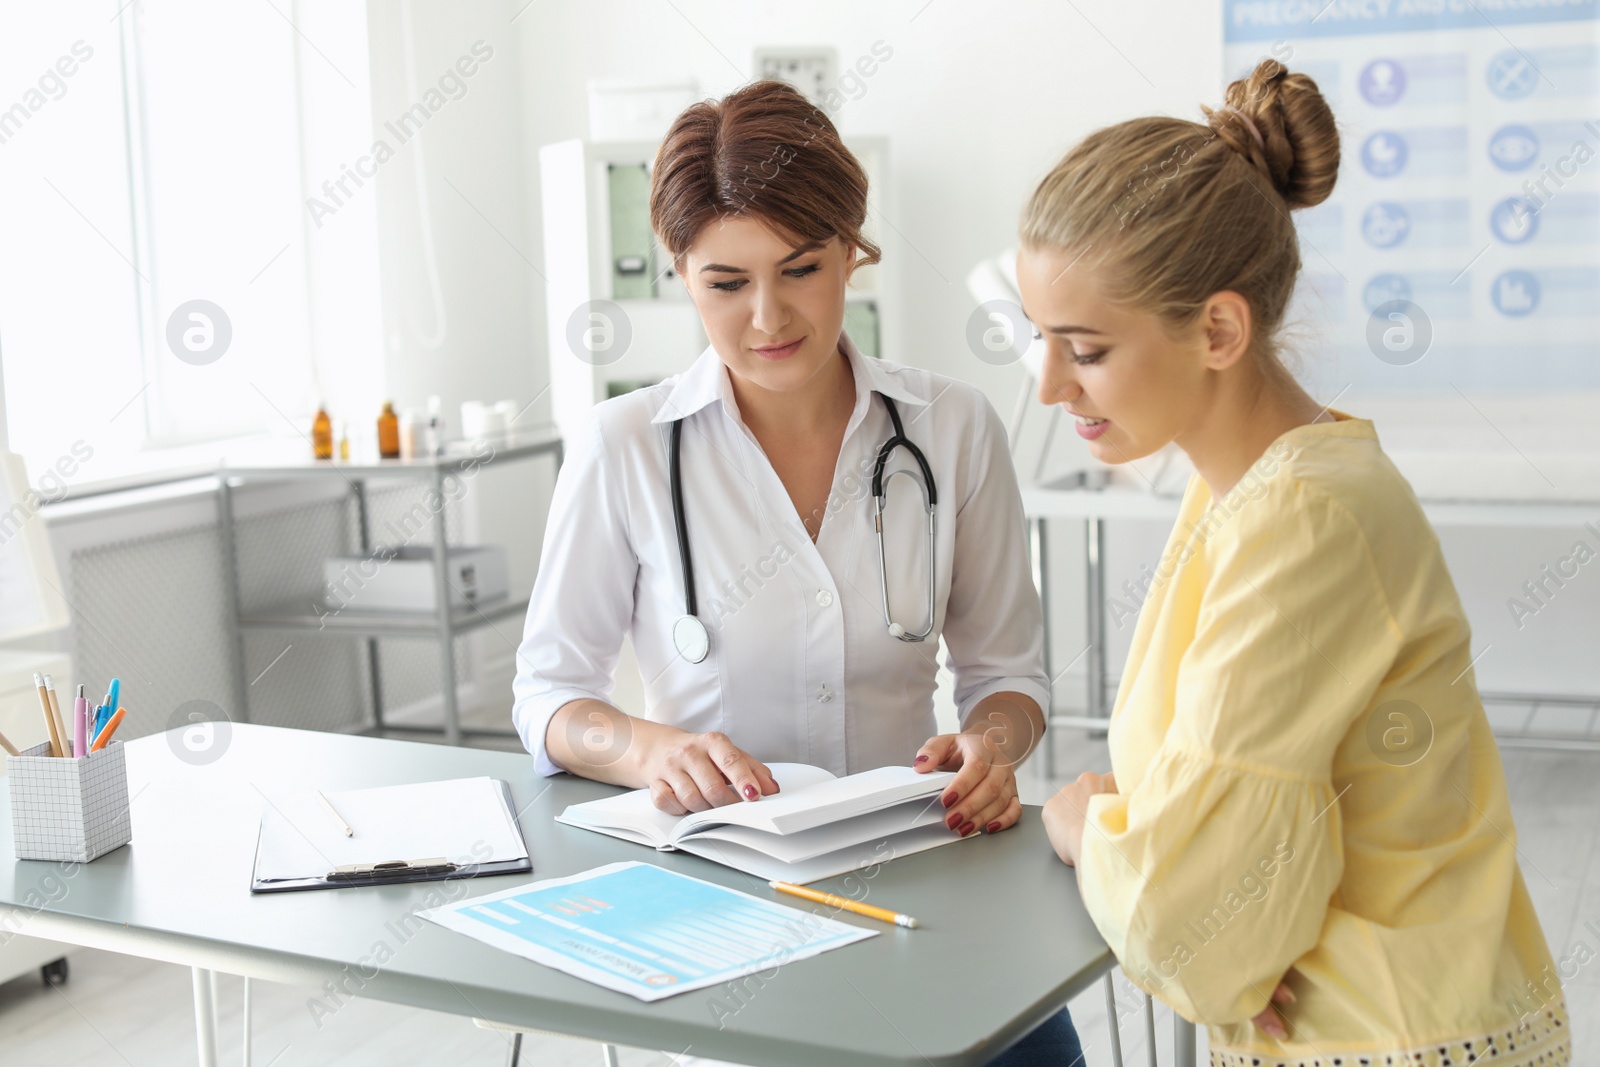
(689, 634)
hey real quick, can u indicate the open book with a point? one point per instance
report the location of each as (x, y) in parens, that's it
(817, 826)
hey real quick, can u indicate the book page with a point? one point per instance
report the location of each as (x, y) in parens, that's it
(824, 802)
(636, 812)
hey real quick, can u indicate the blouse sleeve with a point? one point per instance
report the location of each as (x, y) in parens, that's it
(1213, 873)
(993, 624)
(582, 603)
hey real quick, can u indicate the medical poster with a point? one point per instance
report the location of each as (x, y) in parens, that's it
(1461, 246)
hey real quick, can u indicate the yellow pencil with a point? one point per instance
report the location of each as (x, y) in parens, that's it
(871, 912)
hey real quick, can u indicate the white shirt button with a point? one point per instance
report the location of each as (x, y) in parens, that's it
(824, 695)
(824, 598)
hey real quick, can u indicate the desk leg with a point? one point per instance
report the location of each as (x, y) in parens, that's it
(447, 634)
(205, 1017)
(1183, 1050)
(1094, 595)
(1041, 578)
(1113, 1021)
(245, 1062)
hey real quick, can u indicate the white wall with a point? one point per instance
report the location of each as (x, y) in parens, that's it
(977, 102)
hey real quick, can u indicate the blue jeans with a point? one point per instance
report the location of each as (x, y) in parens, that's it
(1053, 1043)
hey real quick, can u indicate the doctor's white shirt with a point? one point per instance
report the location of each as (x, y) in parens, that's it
(802, 667)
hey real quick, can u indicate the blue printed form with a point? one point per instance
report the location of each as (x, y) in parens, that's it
(643, 930)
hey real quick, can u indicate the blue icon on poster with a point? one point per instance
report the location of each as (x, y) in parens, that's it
(1514, 148)
(1514, 220)
(1515, 293)
(1385, 288)
(1385, 224)
(1511, 76)
(1384, 154)
(1382, 82)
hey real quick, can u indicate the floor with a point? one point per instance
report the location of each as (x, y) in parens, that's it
(120, 1011)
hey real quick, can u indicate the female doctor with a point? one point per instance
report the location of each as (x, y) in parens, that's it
(767, 623)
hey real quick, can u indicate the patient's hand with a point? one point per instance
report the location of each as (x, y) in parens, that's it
(1064, 813)
(694, 772)
(1269, 1022)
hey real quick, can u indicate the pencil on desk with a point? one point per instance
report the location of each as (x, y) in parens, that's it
(833, 901)
(336, 816)
(49, 716)
(104, 736)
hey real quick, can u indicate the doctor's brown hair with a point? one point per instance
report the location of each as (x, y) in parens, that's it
(764, 152)
(1176, 211)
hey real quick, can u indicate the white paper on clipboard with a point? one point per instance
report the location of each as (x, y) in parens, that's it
(30, 601)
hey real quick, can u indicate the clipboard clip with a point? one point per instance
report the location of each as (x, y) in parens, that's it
(390, 869)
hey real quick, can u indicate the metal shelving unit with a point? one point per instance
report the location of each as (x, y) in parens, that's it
(444, 623)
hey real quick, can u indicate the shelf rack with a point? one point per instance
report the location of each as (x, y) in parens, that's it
(444, 622)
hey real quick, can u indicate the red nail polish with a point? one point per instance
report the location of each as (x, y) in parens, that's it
(950, 798)
(922, 758)
(954, 820)
(750, 792)
(966, 828)
(992, 828)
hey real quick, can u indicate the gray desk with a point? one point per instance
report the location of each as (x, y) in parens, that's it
(1005, 941)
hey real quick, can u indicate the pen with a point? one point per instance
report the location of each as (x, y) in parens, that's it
(80, 724)
(49, 717)
(104, 736)
(336, 816)
(871, 912)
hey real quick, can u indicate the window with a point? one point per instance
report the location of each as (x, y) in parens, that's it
(153, 156)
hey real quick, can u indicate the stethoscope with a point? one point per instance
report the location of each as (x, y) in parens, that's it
(689, 633)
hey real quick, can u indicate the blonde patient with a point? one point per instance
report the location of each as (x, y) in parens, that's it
(1306, 842)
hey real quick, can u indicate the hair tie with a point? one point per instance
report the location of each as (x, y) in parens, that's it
(1251, 126)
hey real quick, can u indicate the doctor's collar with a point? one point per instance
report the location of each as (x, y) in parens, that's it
(706, 381)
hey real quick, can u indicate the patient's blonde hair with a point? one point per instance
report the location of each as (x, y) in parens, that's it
(1174, 211)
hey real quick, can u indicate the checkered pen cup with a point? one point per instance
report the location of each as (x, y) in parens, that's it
(68, 809)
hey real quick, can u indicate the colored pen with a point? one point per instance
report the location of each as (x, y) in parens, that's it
(49, 717)
(113, 695)
(80, 724)
(104, 736)
(882, 914)
(336, 816)
(97, 720)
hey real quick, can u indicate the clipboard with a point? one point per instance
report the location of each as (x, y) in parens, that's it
(395, 871)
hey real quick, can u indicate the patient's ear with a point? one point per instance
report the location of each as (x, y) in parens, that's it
(1228, 327)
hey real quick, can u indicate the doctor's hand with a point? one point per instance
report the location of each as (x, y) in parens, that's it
(1065, 813)
(983, 794)
(695, 772)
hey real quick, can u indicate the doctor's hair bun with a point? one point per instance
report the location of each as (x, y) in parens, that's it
(762, 152)
(1280, 122)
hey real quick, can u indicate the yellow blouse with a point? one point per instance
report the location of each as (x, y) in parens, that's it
(1307, 780)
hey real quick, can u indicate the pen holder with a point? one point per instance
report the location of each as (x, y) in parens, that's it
(68, 809)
